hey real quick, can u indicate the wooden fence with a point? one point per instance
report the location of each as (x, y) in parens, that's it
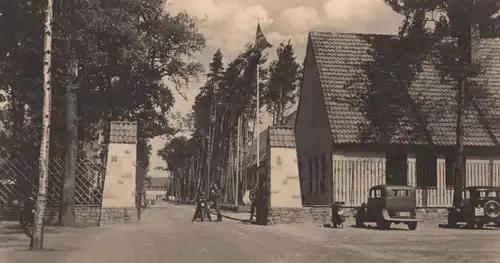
(352, 179)
(19, 180)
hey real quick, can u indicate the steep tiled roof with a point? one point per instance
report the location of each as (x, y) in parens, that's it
(123, 132)
(281, 137)
(339, 58)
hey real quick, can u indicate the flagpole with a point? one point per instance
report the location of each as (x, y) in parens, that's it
(257, 118)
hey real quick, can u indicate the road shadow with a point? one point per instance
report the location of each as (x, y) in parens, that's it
(464, 227)
(370, 227)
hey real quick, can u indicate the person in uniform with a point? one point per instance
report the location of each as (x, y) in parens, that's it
(253, 200)
(217, 195)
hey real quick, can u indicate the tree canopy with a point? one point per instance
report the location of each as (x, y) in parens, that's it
(126, 51)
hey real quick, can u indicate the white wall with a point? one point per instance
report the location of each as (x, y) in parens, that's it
(120, 184)
(284, 173)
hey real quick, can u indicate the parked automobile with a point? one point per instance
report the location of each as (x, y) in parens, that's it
(480, 205)
(388, 204)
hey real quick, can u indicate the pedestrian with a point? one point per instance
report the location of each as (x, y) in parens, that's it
(217, 195)
(253, 200)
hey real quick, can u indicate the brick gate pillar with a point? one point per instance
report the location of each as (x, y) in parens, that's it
(120, 182)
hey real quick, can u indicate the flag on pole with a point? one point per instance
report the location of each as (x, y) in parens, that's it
(261, 42)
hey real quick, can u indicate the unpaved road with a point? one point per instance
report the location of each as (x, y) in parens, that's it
(167, 235)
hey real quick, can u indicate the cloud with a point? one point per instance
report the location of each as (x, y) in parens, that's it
(226, 24)
(361, 16)
(299, 19)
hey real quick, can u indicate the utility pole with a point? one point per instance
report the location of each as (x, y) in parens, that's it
(238, 164)
(36, 242)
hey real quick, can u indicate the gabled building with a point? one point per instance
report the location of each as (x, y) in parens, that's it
(341, 143)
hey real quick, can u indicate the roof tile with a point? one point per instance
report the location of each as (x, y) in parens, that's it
(339, 57)
(281, 137)
(123, 132)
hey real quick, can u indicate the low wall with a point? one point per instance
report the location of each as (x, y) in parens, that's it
(85, 216)
(322, 214)
(316, 215)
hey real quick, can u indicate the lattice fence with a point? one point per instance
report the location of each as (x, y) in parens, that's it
(19, 180)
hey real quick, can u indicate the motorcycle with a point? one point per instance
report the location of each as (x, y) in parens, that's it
(202, 210)
(338, 217)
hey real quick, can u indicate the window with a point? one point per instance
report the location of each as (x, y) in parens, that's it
(310, 177)
(323, 174)
(450, 169)
(426, 170)
(316, 174)
(378, 193)
(301, 176)
(465, 194)
(401, 193)
(493, 194)
(372, 194)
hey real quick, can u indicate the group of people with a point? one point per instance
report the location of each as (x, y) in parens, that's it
(216, 196)
(203, 210)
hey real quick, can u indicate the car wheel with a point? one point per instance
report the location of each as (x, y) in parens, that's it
(412, 225)
(452, 219)
(480, 225)
(383, 224)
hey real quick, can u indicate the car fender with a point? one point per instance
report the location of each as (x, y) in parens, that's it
(385, 214)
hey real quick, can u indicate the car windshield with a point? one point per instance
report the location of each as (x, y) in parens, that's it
(491, 193)
(401, 193)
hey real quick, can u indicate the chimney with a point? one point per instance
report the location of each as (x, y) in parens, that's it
(475, 36)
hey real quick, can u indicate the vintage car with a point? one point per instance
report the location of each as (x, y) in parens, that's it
(389, 204)
(480, 205)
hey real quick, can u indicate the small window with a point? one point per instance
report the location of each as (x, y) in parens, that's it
(323, 174)
(482, 194)
(311, 176)
(372, 194)
(400, 193)
(465, 194)
(378, 193)
(316, 175)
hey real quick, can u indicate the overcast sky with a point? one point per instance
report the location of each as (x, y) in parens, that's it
(230, 24)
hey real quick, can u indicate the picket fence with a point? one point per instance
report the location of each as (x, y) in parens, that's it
(352, 179)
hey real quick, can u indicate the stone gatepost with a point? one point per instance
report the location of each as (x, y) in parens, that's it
(118, 202)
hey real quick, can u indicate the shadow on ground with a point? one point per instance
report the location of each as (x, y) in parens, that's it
(446, 226)
(392, 228)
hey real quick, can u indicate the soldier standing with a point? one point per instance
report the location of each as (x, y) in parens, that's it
(253, 199)
(217, 195)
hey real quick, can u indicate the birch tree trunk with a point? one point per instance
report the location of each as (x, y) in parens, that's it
(37, 237)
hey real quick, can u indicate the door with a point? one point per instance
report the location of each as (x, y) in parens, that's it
(396, 168)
